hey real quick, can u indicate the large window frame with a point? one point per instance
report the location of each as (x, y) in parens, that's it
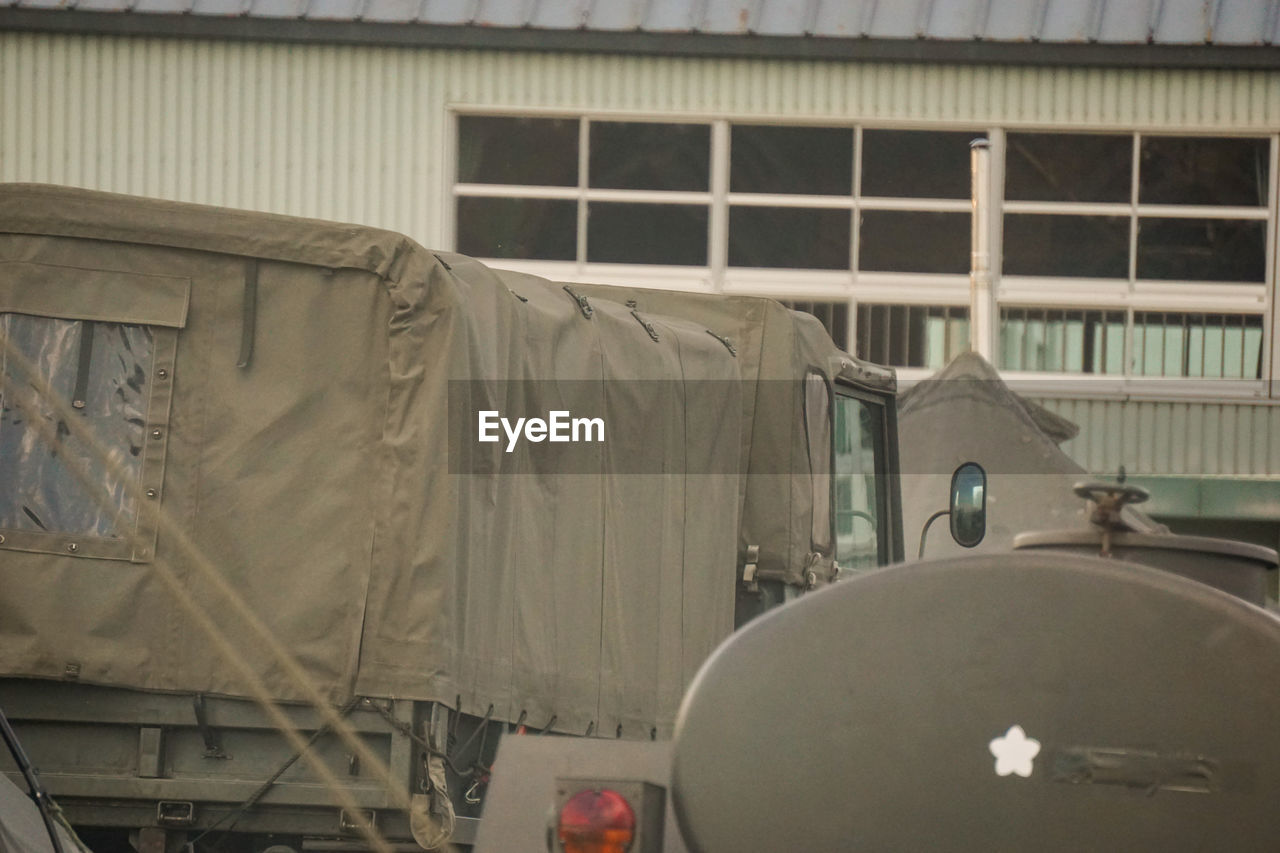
(853, 287)
(1136, 296)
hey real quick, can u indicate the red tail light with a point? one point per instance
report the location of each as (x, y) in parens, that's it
(596, 821)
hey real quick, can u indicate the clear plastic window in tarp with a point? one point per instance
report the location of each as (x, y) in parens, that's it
(77, 427)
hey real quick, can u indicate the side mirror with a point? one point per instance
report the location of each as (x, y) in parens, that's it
(968, 504)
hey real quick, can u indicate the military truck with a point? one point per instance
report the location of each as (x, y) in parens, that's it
(298, 519)
(1099, 689)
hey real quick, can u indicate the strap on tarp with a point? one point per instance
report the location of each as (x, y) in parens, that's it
(83, 362)
(728, 344)
(648, 327)
(583, 305)
(212, 742)
(250, 313)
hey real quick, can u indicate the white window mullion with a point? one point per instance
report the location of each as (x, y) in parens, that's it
(851, 337)
(515, 191)
(855, 218)
(718, 216)
(996, 138)
(449, 168)
(1271, 315)
(648, 196)
(927, 205)
(829, 202)
(584, 178)
(1190, 211)
(1166, 211)
(1072, 208)
(1271, 363)
(1130, 353)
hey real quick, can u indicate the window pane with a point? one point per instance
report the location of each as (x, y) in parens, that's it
(1226, 346)
(916, 163)
(103, 369)
(834, 317)
(530, 151)
(857, 435)
(914, 241)
(517, 228)
(912, 335)
(1063, 245)
(647, 234)
(1068, 167)
(1184, 170)
(1202, 249)
(818, 420)
(1062, 340)
(648, 156)
(806, 160)
(796, 238)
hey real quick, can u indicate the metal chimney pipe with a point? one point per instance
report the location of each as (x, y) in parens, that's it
(981, 295)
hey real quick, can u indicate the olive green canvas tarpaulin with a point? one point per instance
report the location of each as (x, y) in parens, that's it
(286, 392)
(776, 349)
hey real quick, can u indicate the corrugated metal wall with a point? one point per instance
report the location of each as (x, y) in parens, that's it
(363, 134)
(1225, 439)
(351, 134)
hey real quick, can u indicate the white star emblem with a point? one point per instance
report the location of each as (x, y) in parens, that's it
(1014, 752)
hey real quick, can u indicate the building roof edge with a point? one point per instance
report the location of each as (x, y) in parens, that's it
(643, 42)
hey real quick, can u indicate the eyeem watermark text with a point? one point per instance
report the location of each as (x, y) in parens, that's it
(558, 427)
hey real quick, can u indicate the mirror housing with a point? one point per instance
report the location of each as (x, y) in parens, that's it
(968, 507)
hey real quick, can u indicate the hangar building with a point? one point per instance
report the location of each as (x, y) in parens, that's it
(811, 150)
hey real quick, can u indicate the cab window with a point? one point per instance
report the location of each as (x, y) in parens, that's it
(859, 432)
